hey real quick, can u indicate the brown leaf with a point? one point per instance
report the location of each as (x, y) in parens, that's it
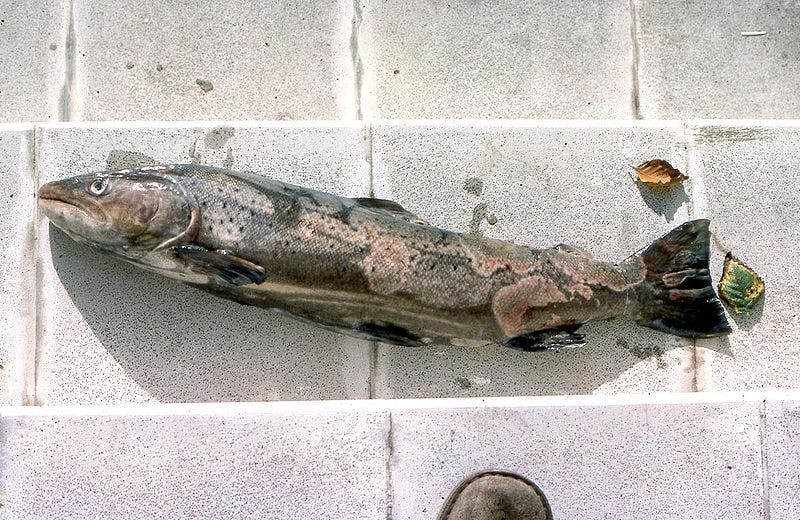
(659, 171)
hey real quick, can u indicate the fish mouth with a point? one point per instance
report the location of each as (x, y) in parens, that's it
(60, 205)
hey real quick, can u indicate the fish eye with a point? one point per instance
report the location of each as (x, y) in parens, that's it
(98, 186)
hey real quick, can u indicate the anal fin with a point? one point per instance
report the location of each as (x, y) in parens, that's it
(548, 339)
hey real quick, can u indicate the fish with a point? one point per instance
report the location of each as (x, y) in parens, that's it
(369, 268)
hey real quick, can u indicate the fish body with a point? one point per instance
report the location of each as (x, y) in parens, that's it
(370, 268)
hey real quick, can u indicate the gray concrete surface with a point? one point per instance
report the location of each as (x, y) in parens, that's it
(680, 456)
(204, 462)
(749, 175)
(17, 270)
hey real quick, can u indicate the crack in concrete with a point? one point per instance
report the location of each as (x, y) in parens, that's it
(34, 398)
(762, 432)
(635, 106)
(390, 455)
(31, 286)
(66, 102)
(358, 67)
(373, 368)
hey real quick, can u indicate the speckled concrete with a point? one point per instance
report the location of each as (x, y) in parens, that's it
(694, 61)
(782, 448)
(32, 62)
(628, 460)
(750, 173)
(213, 60)
(507, 59)
(17, 276)
(254, 461)
(541, 184)
(111, 333)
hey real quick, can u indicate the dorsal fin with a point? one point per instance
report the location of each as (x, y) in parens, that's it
(389, 207)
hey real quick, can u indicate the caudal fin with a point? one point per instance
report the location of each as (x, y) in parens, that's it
(678, 295)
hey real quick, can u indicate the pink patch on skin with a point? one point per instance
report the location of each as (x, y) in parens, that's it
(386, 265)
(512, 303)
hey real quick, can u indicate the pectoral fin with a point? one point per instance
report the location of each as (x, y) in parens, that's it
(550, 339)
(389, 207)
(223, 265)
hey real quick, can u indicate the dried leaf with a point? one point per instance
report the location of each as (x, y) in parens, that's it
(659, 171)
(740, 286)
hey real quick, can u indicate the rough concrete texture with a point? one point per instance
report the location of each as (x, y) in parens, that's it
(633, 461)
(541, 184)
(782, 446)
(32, 61)
(749, 177)
(213, 60)
(17, 276)
(112, 333)
(202, 462)
(507, 59)
(695, 61)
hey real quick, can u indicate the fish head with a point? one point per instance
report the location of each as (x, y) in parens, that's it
(130, 213)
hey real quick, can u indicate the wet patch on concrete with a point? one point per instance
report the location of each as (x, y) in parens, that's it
(473, 186)
(716, 134)
(205, 85)
(644, 352)
(479, 214)
(121, 159)
(194, 155)
(216, 138)
(228, 162)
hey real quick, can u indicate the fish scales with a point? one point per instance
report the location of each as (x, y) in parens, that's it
(370, 268)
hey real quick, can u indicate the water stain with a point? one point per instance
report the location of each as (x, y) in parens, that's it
(121, 159)
(473, 186)
(479, 214)
(205, 85)
(463, 383)
(216, 138)
(717, 134)
(53, 46)
(159, 67)
(644, 352)
(129, 65)
(228, 162)
(194, 155)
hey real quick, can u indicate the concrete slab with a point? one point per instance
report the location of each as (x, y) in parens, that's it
(214, 60)
(782, 448)
(110, 333)
(634, 461)
(507, 59)
(33, 59)
(257, 461)
(723, 59)
(746, 176)
(17, 269)
(540, 184)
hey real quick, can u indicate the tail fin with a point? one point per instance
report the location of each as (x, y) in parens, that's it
(678, 296)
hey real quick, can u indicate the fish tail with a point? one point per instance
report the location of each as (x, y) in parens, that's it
(677, 295)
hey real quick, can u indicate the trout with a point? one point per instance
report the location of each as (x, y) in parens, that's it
(370, 268)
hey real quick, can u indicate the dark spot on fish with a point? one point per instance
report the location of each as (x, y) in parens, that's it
(463, 383)
(392, 334)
